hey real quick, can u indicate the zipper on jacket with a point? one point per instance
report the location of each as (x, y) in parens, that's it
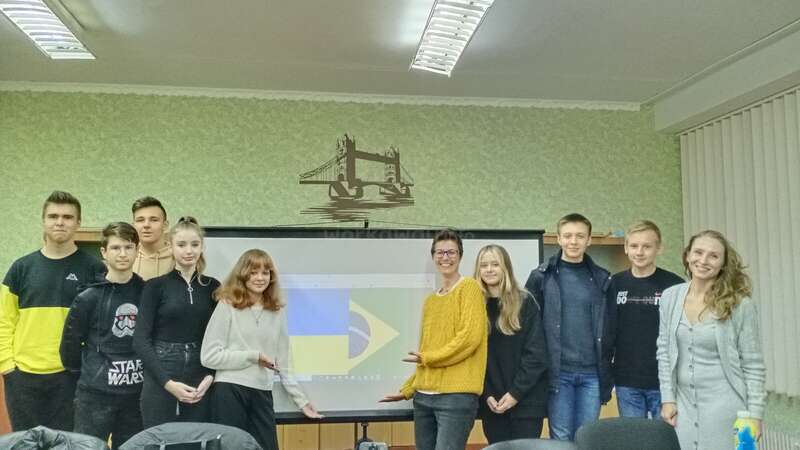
(189, 288)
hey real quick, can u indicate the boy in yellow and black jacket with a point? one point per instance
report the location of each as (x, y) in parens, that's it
(34, 301)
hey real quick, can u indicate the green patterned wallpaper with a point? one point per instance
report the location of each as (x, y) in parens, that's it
(233, 161)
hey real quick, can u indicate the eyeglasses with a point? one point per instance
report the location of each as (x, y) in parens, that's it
(448, 253)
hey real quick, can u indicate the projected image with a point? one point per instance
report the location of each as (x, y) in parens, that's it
(332, 333)
(353, 308)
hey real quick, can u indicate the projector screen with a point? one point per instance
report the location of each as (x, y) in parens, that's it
(354, 299)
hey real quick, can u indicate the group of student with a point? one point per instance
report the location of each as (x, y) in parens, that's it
(107, 349)
(148, 334)
(687, 353)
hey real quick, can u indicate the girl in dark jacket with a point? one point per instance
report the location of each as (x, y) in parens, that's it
(514, 400)
(175, 309)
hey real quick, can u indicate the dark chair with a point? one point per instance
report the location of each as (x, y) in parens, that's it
(627, 433)
(532, 444)
(43, 438)
(204, 444)
(191, 436)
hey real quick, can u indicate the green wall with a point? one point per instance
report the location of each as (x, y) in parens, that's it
(237, 161)
(233, 161)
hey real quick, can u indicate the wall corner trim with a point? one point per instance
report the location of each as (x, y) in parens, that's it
(133, 89)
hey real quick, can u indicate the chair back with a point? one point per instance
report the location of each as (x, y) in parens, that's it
(532, 444)
(627, 433)
(203, 444)
(43, 438)
(191, 436)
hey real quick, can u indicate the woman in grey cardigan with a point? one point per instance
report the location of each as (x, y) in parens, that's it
(710, 364)
(247, 342)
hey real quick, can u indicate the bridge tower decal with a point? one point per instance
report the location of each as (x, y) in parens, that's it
(339, 173)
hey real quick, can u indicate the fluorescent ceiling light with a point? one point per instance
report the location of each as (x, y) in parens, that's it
(450, 27)
(45, 29)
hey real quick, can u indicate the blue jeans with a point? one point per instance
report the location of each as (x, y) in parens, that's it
(635, 402)
(574, 403)
(443, 421)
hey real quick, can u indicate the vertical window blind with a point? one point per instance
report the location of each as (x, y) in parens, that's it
(741, 176)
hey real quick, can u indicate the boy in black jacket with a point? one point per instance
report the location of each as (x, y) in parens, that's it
(97, 341)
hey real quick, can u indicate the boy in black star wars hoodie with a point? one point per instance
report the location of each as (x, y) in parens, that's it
(97, 342)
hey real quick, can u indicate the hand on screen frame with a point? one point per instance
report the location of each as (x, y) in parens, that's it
(311, 412)
(413, 357)
(392, 398)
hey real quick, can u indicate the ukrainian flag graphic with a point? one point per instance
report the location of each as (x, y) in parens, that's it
(330, 333)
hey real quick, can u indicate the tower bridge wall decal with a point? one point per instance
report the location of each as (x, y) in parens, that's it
(349, 199)
(339, 173)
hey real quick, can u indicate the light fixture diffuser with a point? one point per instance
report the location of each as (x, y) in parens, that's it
(450, 27)
(45, 29)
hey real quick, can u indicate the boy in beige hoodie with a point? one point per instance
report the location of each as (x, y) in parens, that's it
(155, 256)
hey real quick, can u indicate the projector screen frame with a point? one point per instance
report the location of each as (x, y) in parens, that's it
(358, 416)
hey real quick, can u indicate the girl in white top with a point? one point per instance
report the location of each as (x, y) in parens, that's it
(247, 342)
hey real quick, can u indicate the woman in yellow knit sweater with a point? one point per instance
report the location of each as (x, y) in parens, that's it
(451, 360)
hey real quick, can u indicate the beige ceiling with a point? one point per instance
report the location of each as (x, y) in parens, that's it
(599, 50)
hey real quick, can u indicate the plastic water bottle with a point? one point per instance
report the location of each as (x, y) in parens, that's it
(746, 429)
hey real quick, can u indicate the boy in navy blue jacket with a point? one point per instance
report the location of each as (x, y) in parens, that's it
(97, 341)
(577, 318)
